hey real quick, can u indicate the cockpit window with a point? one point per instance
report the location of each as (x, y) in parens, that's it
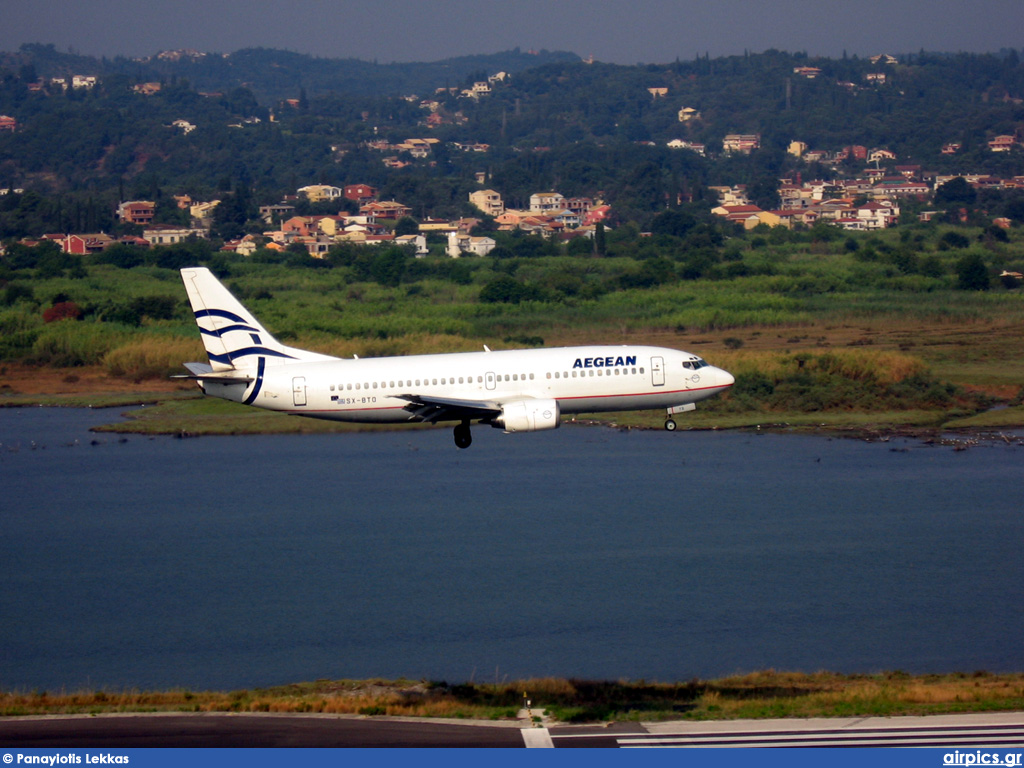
(695, 364)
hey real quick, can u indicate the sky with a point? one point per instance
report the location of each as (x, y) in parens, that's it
(617, 31)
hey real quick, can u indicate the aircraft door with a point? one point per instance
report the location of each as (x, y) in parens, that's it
(489, 380)
(299, 390)
(658, 371)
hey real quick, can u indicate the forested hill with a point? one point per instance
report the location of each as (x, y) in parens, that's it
(586, 130)
(273, 75)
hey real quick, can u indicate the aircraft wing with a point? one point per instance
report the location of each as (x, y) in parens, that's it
(431, 409)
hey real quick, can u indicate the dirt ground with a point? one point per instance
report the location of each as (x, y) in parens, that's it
(29, 380)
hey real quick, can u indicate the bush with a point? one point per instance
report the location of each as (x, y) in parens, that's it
(62, 310)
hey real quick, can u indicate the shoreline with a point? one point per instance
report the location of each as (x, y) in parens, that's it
(175, 408)
(242, 423)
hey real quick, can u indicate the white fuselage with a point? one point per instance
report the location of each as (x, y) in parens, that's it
(580, 379)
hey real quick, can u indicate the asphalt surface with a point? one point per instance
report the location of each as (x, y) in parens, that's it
(998, 730)
(228, 730)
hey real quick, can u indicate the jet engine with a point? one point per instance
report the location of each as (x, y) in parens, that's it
(528, 416)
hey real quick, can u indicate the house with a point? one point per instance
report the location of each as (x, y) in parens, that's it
(596, 215)
(878, 155)
(83, 244)
(892, 188)
(875, 77)
(437, 225)
(656, 92)
(856, 151)
(316, 193)
(247, 246)
(796, 148)
(385, 210)
(8, 123)
(83, 81)
(546, 202)
(744, 143)
(137, 212)
(477, 246)
(690, 145)
(203, 212)
(809, 72)
(688, 114)
(147, 89)
(184, 126)
(269, 212)
(878, 214)
(567, 218)
(418, 243)
(488, 201)
(952, 148)
(579, 205)
(162, 234)
(1002, 143)
(736, 195)
(510, 220)
(359, 193)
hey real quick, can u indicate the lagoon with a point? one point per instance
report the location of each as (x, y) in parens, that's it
(231, 562)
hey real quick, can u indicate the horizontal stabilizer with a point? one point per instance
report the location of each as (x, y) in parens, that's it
(204, 372)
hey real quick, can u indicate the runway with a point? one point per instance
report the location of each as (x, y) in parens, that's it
(1002, 730)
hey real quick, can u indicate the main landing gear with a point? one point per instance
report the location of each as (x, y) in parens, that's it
(463, 437)
(670, 425)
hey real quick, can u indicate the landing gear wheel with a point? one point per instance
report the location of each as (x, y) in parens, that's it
(670, 425)
(463, 437)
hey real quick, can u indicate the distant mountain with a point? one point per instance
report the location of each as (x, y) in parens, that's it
(274, 74)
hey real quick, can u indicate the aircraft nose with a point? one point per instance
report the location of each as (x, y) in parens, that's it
(725, 378)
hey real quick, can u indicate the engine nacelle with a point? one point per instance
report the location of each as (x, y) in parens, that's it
(528, 416)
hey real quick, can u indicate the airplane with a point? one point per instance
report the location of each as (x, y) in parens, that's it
(524, 390)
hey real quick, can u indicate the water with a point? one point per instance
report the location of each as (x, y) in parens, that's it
(247, 561)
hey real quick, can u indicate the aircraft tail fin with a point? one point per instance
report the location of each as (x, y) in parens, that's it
(233, 337)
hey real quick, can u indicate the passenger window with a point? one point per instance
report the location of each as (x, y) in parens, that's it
(357, 386)
(417, 382)
(460, 380)
(531, 377)
(515, 377)
(641, 370)
(391, 384)
(332, 387)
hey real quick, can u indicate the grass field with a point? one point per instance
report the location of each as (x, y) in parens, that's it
(767, 694)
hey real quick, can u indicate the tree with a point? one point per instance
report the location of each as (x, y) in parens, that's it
(972, 274)
(955, 192)
(406, 226)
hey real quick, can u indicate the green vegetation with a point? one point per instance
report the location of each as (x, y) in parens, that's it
(759, 695)
(816, 333)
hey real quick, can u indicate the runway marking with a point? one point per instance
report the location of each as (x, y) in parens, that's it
(537, 738)
(998, 736)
